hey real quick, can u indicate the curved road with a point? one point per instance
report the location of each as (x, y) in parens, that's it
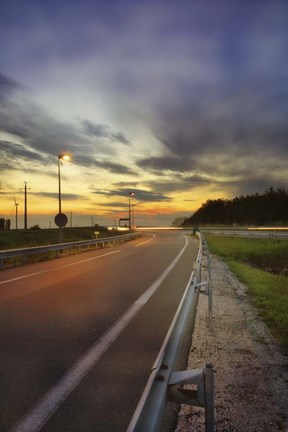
(79, 334)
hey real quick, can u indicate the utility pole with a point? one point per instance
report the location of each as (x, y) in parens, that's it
(16, 207)
(130, 194)
(25, 204)
(16, 215)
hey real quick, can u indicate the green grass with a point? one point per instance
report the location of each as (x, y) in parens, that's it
(15, 239)
(269, 291)
(262, 253)
(12, 239)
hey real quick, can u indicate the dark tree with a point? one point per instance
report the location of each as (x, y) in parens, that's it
(271, 207)
(7, 224)
(2, 223)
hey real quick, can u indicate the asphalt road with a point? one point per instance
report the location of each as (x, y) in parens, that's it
(79, 334)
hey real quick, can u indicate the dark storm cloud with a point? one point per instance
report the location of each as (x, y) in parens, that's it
(126, 185)
(91, 163)
(118, 136)
(67, 196)
(103, 131)
(30, 123)
(113, 167)
(7, 86)
(93, 129)
(249, 185)
(139, 194)
(179, 183)
(41, 136)
(232, 121)
(228, 135)
(157, 164)
(9, 148)
(236, 124)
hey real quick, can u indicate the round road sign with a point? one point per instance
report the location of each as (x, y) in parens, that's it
(61, 220)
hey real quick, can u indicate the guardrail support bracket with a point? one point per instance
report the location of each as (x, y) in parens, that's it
(202, 395)
(205, 289)
(187, 396)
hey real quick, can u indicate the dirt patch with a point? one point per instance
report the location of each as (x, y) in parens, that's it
(251, 379)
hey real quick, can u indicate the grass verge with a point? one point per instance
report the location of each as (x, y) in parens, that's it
(269, 291)
(12, 239)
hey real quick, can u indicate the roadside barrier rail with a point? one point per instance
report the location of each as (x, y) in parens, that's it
(164, 383)
(4, 254)
(250, 232)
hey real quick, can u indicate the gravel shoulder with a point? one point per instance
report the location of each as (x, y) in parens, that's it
(251, 379)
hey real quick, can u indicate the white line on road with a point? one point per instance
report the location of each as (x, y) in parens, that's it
(57, 268)
(46, 407)
(146, 241)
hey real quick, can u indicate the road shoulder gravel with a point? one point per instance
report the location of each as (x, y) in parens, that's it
(251, 379)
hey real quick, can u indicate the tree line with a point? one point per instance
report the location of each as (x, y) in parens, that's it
(268, 208)
(5, 224)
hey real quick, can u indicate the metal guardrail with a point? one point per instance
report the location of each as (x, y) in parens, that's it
(164, 382)
(206, 287)
(4, 254)
(256, 233)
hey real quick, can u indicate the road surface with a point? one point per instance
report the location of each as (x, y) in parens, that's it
(79, 334)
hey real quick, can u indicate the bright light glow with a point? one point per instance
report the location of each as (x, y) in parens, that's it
(65, 156)
(268, 229)
(118, 228)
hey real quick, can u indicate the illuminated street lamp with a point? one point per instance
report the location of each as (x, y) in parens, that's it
(61, 219)
(131, 194)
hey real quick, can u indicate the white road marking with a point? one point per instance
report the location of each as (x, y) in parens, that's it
(146, 241)
(52, 400)
(57, 268)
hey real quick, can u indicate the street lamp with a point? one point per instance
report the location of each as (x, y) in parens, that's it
(131, 194)
(61, 219)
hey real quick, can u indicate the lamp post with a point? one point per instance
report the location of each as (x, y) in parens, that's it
(61, 218)
(131, 194)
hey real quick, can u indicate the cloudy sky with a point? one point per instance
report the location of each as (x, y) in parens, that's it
(177, 101)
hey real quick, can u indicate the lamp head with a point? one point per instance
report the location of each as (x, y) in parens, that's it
(66, 156)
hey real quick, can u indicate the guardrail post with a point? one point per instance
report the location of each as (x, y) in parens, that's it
(209, 398)
(208, 284)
